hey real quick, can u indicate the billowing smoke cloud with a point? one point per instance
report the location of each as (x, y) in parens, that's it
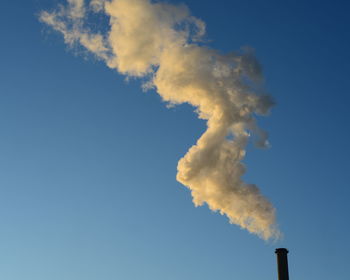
(163, 43)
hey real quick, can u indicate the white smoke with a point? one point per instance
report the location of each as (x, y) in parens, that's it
(163, 43)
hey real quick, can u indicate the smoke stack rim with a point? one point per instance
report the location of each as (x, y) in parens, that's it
(281, 251)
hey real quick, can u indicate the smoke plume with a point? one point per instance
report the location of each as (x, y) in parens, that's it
(164, 44)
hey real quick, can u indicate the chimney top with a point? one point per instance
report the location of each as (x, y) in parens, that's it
(281, 250)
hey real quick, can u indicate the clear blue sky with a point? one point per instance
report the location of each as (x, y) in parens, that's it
(88, 161)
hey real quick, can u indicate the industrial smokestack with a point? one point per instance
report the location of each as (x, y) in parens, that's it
(282, 263)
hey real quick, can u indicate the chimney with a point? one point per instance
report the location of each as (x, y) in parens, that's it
(282, 263)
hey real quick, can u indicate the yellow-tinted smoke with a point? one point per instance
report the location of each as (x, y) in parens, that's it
(163, 42)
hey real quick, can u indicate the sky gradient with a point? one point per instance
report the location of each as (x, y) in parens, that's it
(88, 160)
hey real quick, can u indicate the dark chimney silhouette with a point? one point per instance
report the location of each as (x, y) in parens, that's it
(282, 263)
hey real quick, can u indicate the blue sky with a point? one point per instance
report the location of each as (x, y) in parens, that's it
(88, 160)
